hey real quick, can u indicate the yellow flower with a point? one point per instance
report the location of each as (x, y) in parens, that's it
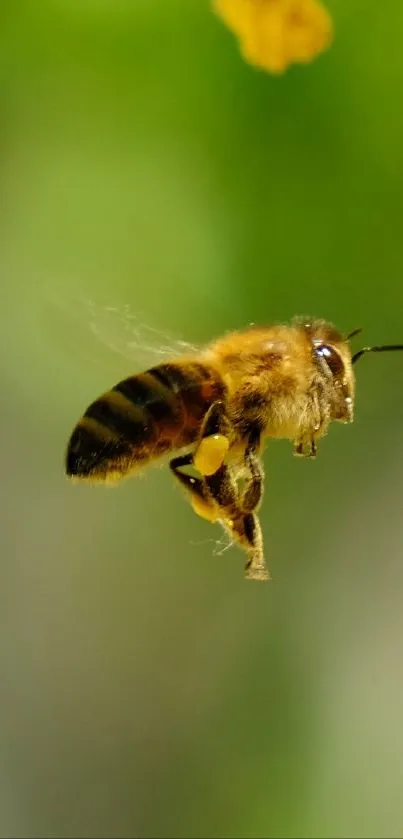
(275, 33)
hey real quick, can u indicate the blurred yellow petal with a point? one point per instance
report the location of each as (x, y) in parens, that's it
(264, 44)
(275, 33)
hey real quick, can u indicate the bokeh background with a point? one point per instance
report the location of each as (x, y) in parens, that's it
(149, 176)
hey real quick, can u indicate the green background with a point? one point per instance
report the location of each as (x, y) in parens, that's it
(146, 688)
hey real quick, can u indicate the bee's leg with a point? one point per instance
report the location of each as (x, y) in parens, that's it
(252, 539)
(214, 442)
(301, 450)
(199, 497)
(216, 498)
(253, 489)
(306, 445)
(247, 532)
(244, 529)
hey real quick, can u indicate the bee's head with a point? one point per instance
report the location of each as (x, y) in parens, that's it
(332, 355)
(334, 361)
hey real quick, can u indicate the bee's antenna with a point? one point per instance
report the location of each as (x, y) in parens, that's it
(384, 348)
(353, 333)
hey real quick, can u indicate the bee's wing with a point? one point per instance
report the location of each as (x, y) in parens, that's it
(129, 335)
(110, 336)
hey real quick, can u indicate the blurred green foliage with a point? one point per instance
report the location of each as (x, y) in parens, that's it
(147, 690)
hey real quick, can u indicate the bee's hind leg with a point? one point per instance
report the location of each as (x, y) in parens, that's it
(216, 498)
(213, 442)
(199, 497)
(244, 528)
(252, 492)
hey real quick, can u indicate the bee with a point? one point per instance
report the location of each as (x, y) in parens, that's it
(212, 412)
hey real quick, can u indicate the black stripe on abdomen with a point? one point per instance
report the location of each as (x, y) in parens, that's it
(111, 416)
(147, 393)
(171, 376)
(141, 418)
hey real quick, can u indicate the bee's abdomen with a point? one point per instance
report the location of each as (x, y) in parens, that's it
(140, 419)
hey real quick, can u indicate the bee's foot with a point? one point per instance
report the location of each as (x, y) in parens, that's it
(257, 571)
(301, 451)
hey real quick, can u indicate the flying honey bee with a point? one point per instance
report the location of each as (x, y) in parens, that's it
(214, 409)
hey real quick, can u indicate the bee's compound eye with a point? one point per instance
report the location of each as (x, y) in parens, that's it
(331, 357)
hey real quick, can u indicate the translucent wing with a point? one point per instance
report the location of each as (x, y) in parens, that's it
(111, 336)
(128, 334)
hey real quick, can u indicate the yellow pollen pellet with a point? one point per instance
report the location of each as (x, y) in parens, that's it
(210, 454)
(204, 509)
